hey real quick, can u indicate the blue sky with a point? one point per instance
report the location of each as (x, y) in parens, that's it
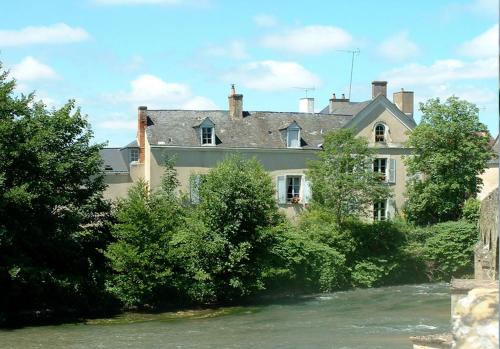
(114, 55)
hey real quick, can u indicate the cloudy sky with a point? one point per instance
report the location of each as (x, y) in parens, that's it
(114, 55)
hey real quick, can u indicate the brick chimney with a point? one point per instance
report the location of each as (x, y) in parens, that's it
(235, 104)
(141, 131)
(336, 103)
(404, 101)
(379, 88)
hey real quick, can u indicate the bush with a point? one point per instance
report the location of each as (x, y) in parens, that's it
(143, 269)
(296, 264)
(223, 246)
(449, 251)
(471, 210)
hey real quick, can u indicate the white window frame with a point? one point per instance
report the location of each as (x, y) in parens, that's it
(377, 211)
(212, 138)
(291, 182)
(132, 151)
(384, 135)
(304, 193)
(293, 127)
(390, 168)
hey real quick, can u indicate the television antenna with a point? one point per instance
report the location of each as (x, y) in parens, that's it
(353, 53)
(305, 89)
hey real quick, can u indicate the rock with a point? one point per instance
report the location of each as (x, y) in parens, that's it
(475, 321)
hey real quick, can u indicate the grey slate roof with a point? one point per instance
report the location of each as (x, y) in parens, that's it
(254, 130)
(115, 159)
(346, 108)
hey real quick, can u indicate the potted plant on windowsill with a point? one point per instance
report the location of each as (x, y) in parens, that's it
(295, 200)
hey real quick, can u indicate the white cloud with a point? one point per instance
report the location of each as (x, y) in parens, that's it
(200, 103)
(272, 76)
(398, 47)
(118, 121)
(138, 2)
(484, 7)
(483, 45)
(265, 21)
(155, 93)
(235, 49)
(29, 69)
(313, 39)
(59, 33)
(442, 71)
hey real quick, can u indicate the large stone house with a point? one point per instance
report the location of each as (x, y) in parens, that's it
(282, 141)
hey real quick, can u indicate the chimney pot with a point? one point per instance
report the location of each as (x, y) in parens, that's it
(334, 97)
(235, 104)
(343, 96)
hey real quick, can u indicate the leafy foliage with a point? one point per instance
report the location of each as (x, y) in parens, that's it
(297, 264)
(450, 149)
(141, 256)
(53, 220)
(225, 253)
(471, 210)
(342, 179)
(449, 249)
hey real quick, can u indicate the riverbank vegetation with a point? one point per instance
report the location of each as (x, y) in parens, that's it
(64, 249)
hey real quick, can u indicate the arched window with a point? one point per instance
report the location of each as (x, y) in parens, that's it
(380, 133)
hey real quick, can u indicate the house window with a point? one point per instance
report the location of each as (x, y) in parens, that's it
(134, 154)
(380, 166)
(380, 133)
(379, 211)
(292, 188)
(207, 136)
(293, 137)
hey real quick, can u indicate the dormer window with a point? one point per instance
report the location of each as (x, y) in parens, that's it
(206, 131)
(207, 136)
(293, 136)
(379, 133)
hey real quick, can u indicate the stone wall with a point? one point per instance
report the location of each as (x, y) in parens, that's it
(486, 251)
(475, 322)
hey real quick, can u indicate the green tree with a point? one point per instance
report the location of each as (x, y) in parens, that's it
(223, 248)
(449, 151)
(342, 179)
(52, 215)
(141, 256)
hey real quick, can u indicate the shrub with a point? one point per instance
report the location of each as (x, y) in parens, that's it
(470, 211)
(449, 251)
(296, 264)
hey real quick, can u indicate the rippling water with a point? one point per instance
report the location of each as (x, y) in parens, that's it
(359, 319)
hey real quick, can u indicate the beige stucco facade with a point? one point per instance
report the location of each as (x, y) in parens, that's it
(278, 159)
(278, 162)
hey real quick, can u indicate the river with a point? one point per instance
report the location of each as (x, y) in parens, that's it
(366, 318)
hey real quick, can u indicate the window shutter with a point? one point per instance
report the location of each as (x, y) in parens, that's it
(195, 189)
(307, 190)
(281, 189)
(391, 208)
(392, 170)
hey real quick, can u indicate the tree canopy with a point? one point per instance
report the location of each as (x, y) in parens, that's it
(449, 151)
(52, 215)
(343, 179)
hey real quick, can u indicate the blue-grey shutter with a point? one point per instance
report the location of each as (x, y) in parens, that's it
(392, 171)
(391, 208)
(281, 189)
(307, 190)
(195, 189)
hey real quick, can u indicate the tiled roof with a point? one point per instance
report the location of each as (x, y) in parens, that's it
(114, 160)
(254, 130)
